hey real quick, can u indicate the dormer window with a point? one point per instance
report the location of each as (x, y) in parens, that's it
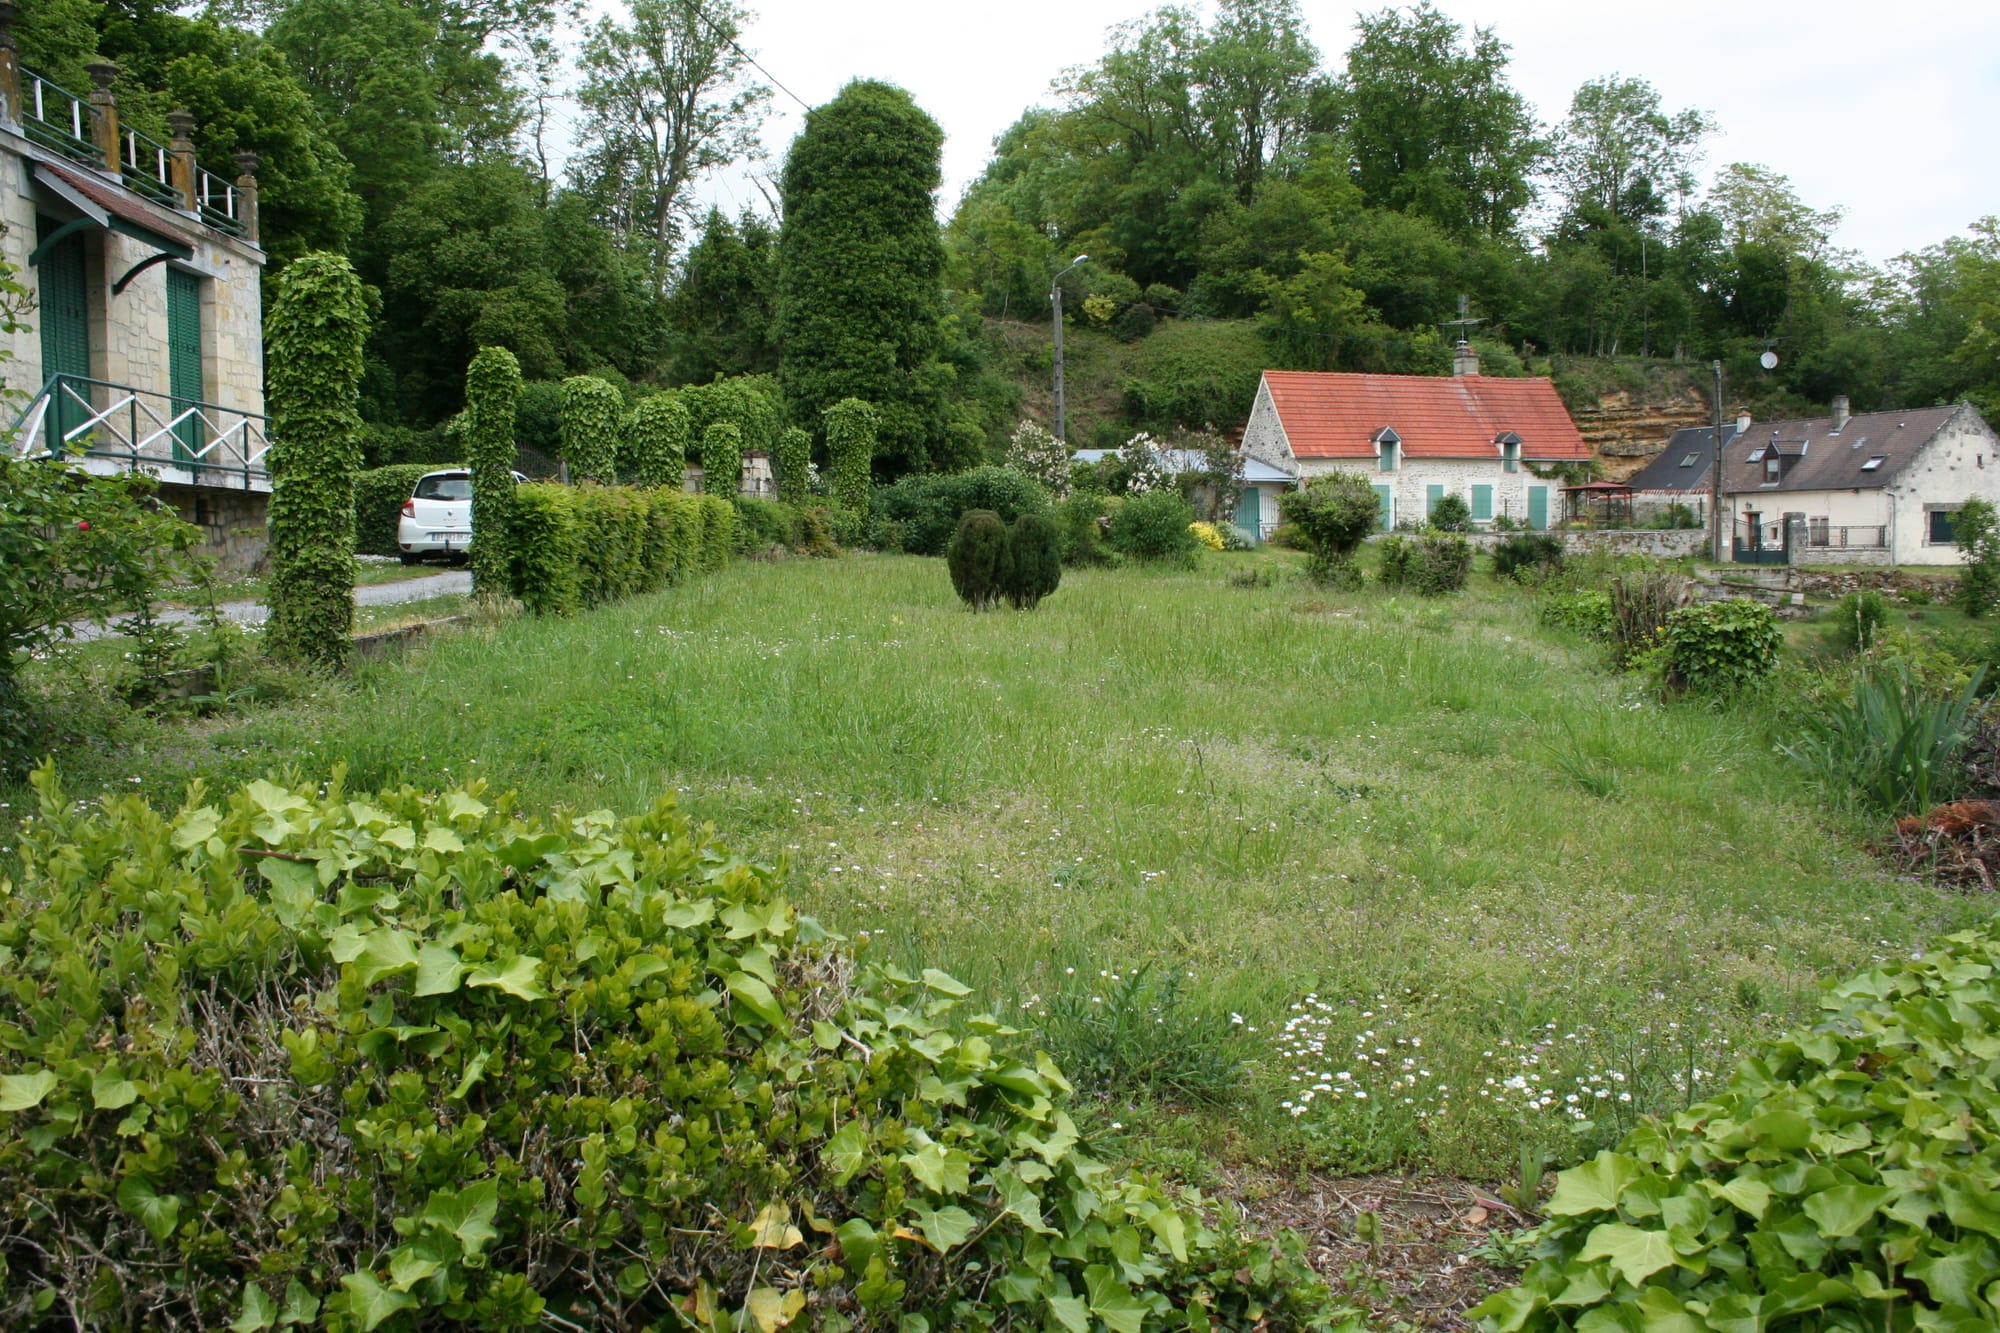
(1772, 467)
(1510, 451)
(1387, 445)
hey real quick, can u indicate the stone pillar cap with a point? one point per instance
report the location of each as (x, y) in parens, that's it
(182, 123)
(247, 162)
(102, 72)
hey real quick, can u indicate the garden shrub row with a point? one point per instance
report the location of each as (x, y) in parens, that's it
(1849, 1178)
(925, 509)
(378, 504)
(575, 547)
(298, 1056)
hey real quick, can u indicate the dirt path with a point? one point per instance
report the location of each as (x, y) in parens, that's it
(253, 612)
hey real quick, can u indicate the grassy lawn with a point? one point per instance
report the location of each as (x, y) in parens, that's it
(1479, 853)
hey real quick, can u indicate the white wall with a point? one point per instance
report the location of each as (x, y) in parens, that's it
(1962, 461)
(1413, 478)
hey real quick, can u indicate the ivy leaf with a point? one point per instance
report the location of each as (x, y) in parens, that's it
(1071, 1313)
(939, 1171)
(772, 1309)
(1169, 1227)
(110, 1090)
(1593, 1187)
(688, 915)
(294, 888)
(516, 977)
(386, 952)
(772, 1229)
(158, 1213)
(1953, 1276)
(369, 1302)
(1636, 1254)
(409, 1265)
(301, 1306)
(196, 828)
(1845, 1209)
(945, 1227)
(846, 1151)
(22, 1092)
(755, 996)
(1506, 1311)
(474, 1067)
(468, 1214)
(256, 1313)
(460, 805)
(1018, 1199)
(1112, 1301)
(1752, 1196)
(439, 971)
(858, 1244)
(522, 854)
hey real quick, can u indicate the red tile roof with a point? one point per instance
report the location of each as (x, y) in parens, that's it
(1332, 415)
(120, 202)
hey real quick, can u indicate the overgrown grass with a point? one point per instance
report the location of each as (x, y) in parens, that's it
(1421, 808)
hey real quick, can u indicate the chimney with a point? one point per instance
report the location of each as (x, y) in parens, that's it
(1464, 361)
(1839, 412)
(1742, 421)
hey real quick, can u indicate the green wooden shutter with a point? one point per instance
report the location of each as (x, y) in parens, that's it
(63, 311)
(1482, 502)
(1250, 512)
(184, 359)
(1385, 497)
(1538, 507)
(1432, 494)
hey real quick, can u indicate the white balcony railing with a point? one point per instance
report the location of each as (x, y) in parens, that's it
(174, 439)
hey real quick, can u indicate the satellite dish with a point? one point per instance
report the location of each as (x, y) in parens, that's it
(1769, 360)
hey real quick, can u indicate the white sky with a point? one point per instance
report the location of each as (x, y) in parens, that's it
(1889, 111)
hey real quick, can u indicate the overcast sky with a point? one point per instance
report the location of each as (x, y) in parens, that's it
(1890, 111)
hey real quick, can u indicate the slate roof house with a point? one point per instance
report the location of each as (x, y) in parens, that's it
(1877, 488)
(145, 346)
(1420, 438)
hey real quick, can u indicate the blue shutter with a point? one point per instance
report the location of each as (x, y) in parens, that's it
(1385, 497)
(1482, 502)
(1432, 494)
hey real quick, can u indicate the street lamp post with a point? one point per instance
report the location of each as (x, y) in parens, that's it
(1055, 296)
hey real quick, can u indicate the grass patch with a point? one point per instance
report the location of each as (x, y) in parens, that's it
(1265, 793)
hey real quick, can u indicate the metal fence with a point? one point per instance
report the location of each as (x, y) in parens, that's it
(175, 439)
(1872, 537)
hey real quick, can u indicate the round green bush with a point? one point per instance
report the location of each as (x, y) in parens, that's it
(379, 494)
(1451, 514)
(979, 560)
(1718, 646)
(930, 506)
(1332, 515)
(1034, 549)
(1153, 526)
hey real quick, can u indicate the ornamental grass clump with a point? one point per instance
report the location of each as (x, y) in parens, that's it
(300, 1056)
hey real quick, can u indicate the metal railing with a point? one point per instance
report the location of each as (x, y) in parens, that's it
(159, 433)
(144, 168)
(1873, 536)
(58, 120)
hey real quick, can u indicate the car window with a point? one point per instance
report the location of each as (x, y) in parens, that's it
(444, 488)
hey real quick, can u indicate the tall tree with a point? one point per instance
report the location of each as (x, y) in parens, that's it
(1434, 126)
(1619, 151)
(860, 263)
(721, 309)
(665, 98)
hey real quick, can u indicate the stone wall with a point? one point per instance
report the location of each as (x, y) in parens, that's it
(233, 523)
(1660, 543)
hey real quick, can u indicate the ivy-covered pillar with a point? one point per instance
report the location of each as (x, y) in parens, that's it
(313, 341)
(492, 387)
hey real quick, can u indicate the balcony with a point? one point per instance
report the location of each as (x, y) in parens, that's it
(117, 428)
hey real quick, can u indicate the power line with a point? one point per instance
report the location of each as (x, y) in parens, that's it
(730, 37)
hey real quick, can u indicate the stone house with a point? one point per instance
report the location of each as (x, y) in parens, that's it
(1874, 488)
(145, 345)
(1494, 442)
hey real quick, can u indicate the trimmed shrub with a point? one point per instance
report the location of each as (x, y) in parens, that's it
(762, 524)
(722, 460)
(593, 417)
(1528, 557)
(1034, 552)
(1332, 515)
(379, 494)
(660, 434)
(791, 465)
(1856, 619)
(979, 559)
(583, 546)
(492, 387)
(318, 323)
(506, 1072)
(1720, 646)
(718, 532)
(385, 445)
(1154, 526)
(1398, 553)
(850, 451)
(611, 538)
(542, 569)
(1451, 514)
(1842, 1181)
(930, 506)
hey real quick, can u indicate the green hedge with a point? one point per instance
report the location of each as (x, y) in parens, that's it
(577, 547)
(304, 1057)
(378, 504)
(928, 506)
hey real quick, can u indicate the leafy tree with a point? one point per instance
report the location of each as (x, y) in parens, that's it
(593, 415)
(660, 437)
(721, 310)
(315, 332)
(666, 98)
(722, 459)
(1334, 513)
(1618, 152)
(860, 267)
(1976, 529)
(492, 389)
(1434, 127)
(1313, 311)
(851, 426)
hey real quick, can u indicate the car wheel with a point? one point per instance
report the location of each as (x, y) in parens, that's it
(411, 558)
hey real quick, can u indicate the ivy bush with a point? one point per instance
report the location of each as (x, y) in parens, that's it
(314, 335)
(593, 416)
(299, 1056)
(379, 494)
(492, 388)
(722, 460)
(1976, 529)
(1845, 1180)
(929, 506)
(1720, 646)
(660, 434)
(543, 569)
(579, 547)
(1332, 515)
(791, 465)
(980, 561)
(1154, 526)
(850, 451)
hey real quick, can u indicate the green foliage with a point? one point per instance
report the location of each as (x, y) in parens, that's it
(314, 336)
(1397, 553)
(1642, 600)
(1976, 529)
(660, 435)
(486, 1060)
(851, 429)
(1587, 612)
(930, 506)
(1895, 739)
(1529, 558)
(492, 387)
(722, 307)
(751, 402)
(1078, 521)
(1717, 647)
(1834, 1185)
(1451, 514)
(1153, 526)
(379, 494)
(1118, 1035)
(543, 549)
(860, 271)
(763, 524)
(718, 531)
(722, 460)
(1034, 554)
(584, 546)
(791, 465)
(1332, 514)
(613, 527)
(1189, 375)
(593, 417)
(1857, 618)
(980, 559)
(1433, 564)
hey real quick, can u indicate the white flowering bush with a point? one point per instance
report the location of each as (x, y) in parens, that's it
(1146, 466)
(1036, 453)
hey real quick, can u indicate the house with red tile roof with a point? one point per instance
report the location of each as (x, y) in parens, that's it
(1420, 438)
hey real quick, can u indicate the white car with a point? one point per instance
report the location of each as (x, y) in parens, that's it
(437, 518)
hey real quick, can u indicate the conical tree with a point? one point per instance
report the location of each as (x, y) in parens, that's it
(1034, 547)
(978, 558)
